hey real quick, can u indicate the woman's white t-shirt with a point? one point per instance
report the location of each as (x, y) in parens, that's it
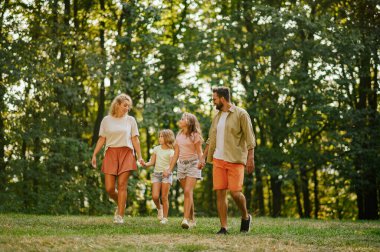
(118, 131)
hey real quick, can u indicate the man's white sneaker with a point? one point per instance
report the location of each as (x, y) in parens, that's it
(185, 224)
(164, 221)
(160, 213)
(118, 220)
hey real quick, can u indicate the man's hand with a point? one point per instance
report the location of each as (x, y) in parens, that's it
(250, 164)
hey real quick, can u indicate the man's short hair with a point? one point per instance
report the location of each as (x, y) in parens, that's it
(222, 92)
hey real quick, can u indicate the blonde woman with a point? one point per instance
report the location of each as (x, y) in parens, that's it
(119, 133)
(188, 152)
(162, 155)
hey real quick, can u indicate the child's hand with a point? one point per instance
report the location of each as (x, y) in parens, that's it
(166, 173)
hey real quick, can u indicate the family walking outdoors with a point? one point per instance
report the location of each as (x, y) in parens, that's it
(229, 147)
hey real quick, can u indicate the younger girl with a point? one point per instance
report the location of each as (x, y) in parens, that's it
(188, 152)
(162, 155)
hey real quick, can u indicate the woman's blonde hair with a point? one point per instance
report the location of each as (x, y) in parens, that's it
(193, 126)
(168, 136)
(118, 100)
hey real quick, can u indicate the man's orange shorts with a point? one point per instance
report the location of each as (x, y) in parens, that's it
(227, 175)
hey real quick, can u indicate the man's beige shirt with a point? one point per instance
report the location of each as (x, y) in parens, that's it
(238, 136)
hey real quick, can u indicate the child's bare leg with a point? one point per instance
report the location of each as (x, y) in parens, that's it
(188, 191)
(156, 188)
(165, 198)
(192, 217)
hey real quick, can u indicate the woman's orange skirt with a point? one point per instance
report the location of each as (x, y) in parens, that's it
(118, 160)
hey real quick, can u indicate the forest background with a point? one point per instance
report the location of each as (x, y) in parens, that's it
(307, 72)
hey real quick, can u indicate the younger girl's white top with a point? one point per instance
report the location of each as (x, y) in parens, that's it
(118, 131)
(163, 157)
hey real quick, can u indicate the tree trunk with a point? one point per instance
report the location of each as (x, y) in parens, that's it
(298, 198)
(248, 190)
(276, 195)
(258, 198)
(2, 105)
(305, 192)
(148, 143)
(365, 163)
(316, 193)
(2, 132)
(270, 200)
(101, 97)
(37, 157)
(338, 208)
(66, 29)
(176, 203)
(359, 192)
(211, 194)
(370, 198)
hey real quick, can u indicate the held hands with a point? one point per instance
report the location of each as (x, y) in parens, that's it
(142, 162)
(166, 173)
(201, 163)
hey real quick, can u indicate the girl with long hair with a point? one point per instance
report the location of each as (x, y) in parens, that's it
(188, 152)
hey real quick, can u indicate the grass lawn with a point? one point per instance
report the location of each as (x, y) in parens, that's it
(85, 233)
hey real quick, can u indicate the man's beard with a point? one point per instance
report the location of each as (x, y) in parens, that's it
(219, 106)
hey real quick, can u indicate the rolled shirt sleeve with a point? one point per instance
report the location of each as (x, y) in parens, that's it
(248, 131)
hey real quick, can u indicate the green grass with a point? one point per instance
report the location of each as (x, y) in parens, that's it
(84, 233)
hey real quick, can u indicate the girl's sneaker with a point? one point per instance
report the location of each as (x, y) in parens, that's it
(160, 213)
(192, 223)
(118, 220)
(116, 213)
(164, 221)
(185, 224)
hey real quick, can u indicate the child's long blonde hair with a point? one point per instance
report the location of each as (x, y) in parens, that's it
(168, 136)
(193, 126)
(117, 101)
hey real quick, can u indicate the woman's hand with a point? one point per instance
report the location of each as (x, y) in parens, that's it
(99, 144)
(93, 161)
